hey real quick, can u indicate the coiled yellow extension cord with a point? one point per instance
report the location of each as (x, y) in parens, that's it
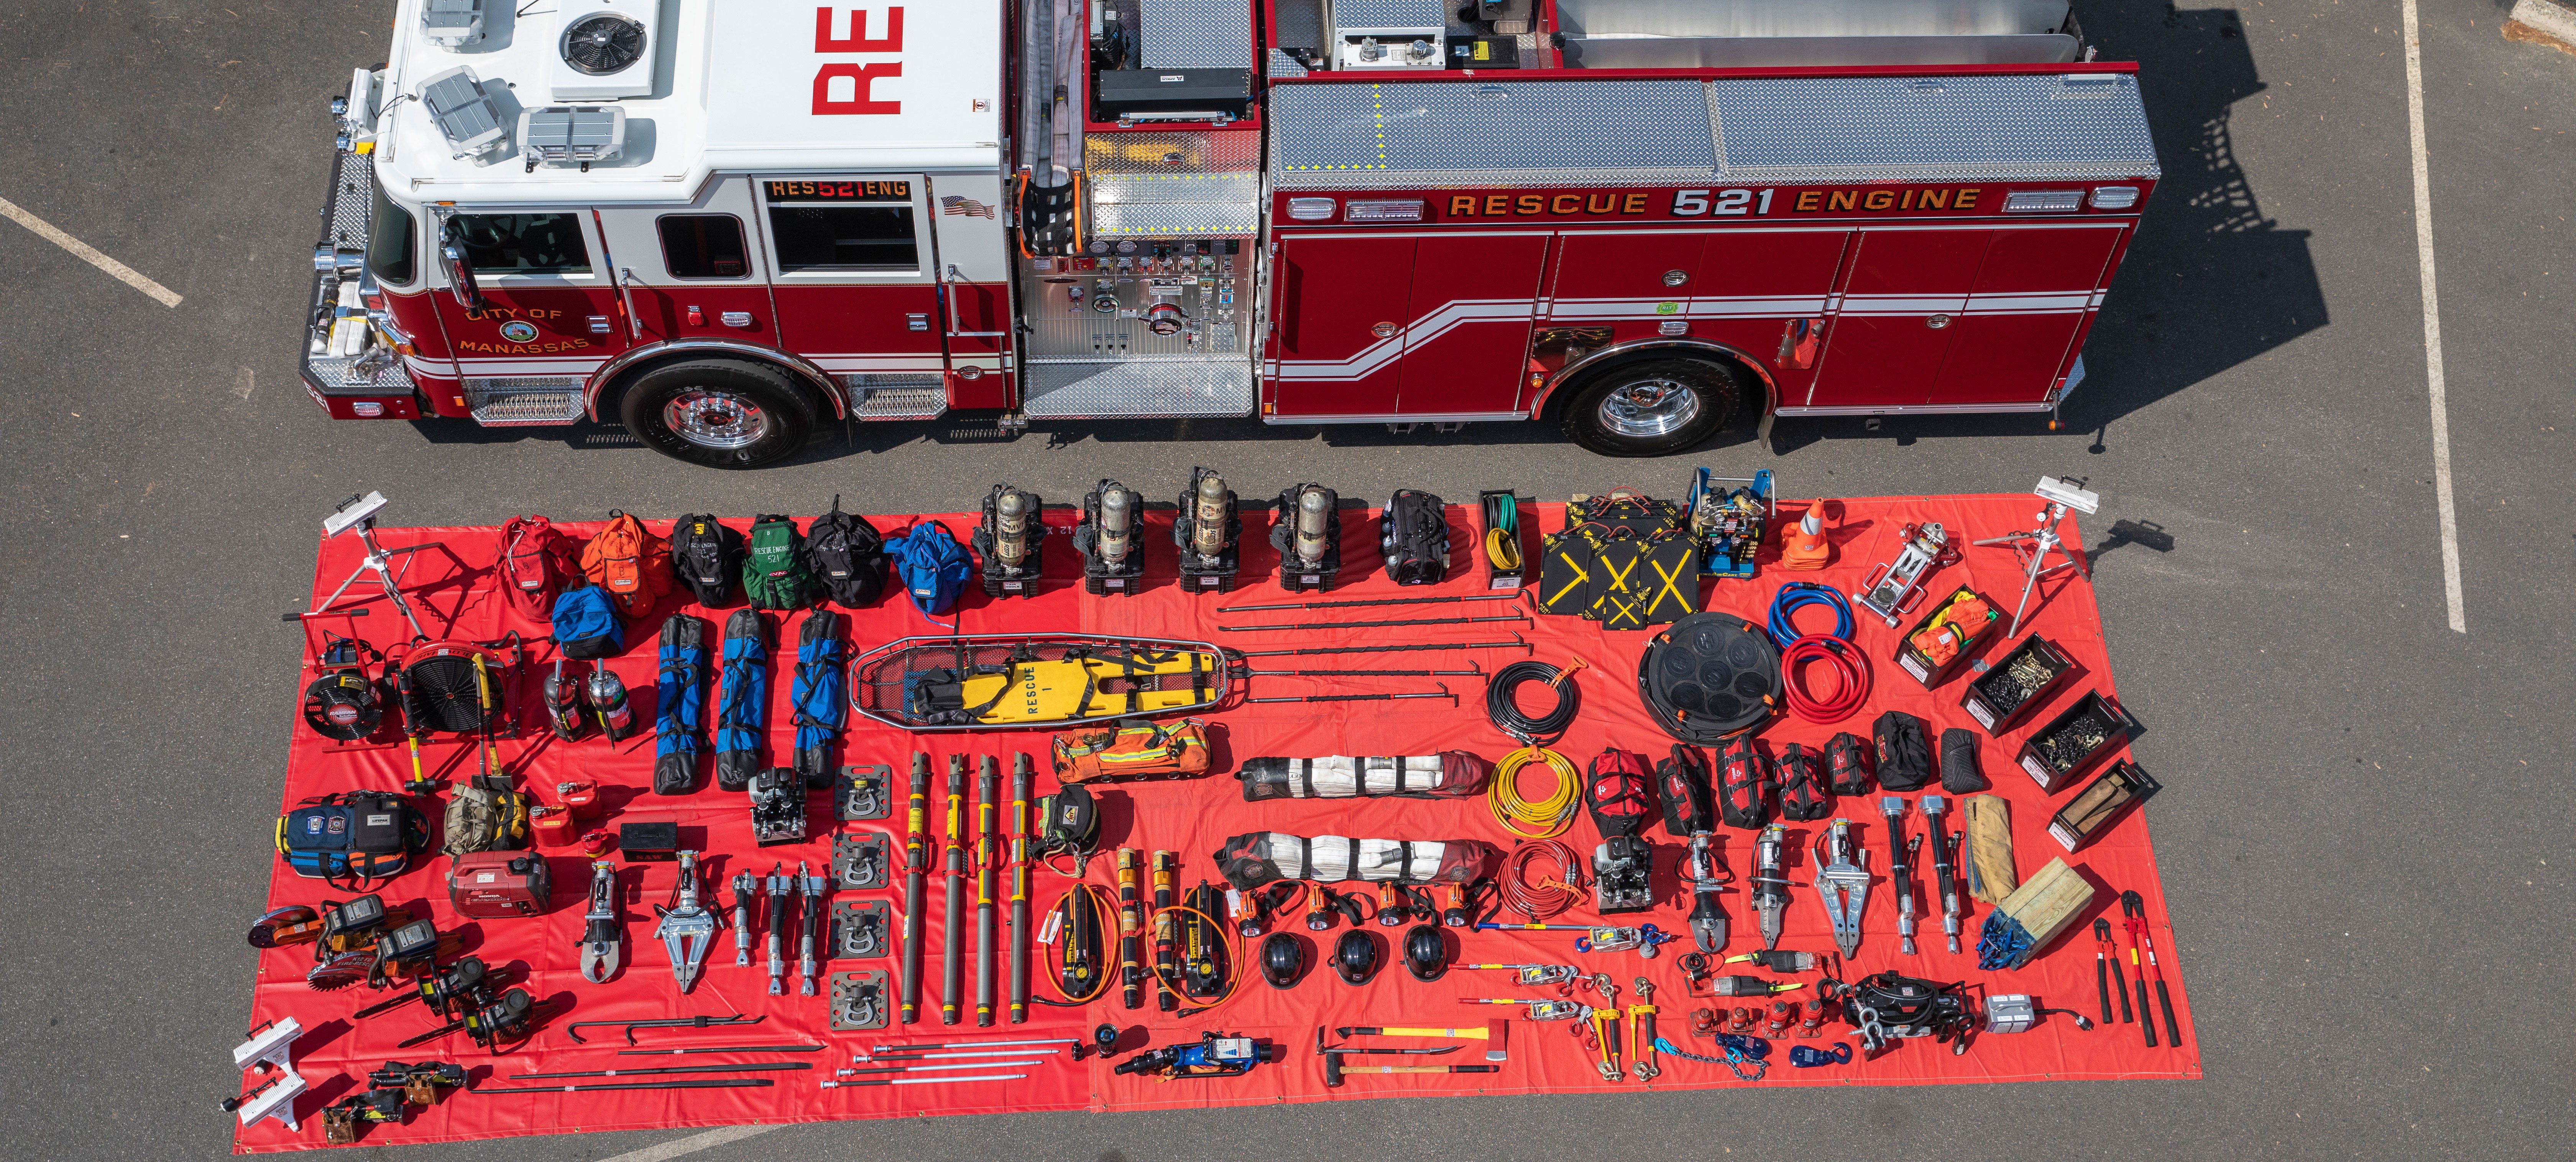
(1546, 818)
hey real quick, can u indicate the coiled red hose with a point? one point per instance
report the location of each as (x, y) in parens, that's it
(1537, 902)
(1851, 672)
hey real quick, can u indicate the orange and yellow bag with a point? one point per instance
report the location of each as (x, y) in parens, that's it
(1177, 750)
(630, 562)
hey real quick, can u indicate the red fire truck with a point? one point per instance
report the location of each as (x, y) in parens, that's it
(728, 225)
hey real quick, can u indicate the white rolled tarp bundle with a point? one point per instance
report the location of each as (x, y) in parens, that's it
(1263, 857)
(1449, 774)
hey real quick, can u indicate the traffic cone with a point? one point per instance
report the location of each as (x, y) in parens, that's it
(1803, 545)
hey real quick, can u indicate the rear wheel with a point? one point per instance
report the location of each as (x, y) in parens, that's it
(720, 413)
(1654, 407)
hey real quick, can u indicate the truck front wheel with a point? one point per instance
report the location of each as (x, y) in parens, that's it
(720, 413)
(1655, 407)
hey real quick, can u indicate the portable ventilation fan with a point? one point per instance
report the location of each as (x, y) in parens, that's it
(603, 43)
(441, 689)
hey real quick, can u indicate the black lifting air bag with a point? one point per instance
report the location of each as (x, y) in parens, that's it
(1959, 773)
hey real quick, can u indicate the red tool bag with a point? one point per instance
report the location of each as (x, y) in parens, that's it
(1614, 791)
(1745, 785)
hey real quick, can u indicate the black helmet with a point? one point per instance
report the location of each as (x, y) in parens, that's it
(1426, 956)
(1355, 956)
(1283, 960)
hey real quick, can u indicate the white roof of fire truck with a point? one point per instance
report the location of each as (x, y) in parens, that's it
(734, 85)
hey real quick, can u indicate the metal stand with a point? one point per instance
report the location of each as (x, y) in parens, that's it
(377, 557)
(2033, 547)
(270, 1050)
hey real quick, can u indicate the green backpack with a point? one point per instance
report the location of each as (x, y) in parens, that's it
(774, 575)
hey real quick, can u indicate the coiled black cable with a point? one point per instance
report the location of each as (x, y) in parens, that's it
(1505, 711)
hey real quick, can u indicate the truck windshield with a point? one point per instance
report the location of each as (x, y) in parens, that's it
(523, 243)
(390, 241)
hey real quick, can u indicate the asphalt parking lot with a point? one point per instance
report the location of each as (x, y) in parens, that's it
(2365, 816)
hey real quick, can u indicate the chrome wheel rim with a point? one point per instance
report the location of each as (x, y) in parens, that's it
(1645, 408)
(715, 419)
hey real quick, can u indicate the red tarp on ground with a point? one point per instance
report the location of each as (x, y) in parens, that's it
(457, 599)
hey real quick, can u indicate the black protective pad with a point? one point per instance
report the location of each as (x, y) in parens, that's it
(1710, 675)
(1959, 773)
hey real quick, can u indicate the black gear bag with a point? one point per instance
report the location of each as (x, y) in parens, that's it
(1904, 753)
(1681, 782)
(707, 558)
(1413, 532)
(848, 556)
(1745, 785)
(1802, 787)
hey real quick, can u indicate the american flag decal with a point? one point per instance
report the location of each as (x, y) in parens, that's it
(964, 207)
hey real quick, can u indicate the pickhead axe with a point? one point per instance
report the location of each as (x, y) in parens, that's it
(1496, 1035)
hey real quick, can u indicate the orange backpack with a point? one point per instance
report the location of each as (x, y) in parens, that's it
(631, 563)
(1141, 751)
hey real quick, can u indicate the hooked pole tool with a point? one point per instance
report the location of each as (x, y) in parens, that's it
(1945, 881)
(2132, 904)
(765, 1067)
(780, 884)
(952, 966)
(1900, 877)
(916, 866)
(601, 934)
(2133, 916)
(574, 1029)
(1019, 968)
(1516, 617)
(687, 929)
(810, 928)
(1442, 693)
(1369, 601)
(746, 894)
(1517, 643)
(1842, 885)
(1707, 874)
(988, 788)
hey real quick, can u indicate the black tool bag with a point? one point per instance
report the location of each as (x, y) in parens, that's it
(1745, 785)
(1414, 534)
(848, 556)
(707, 557)
(1850, 768)
(1681, 782)
(1802, 787)
(1615, 792)
(1904, 753)
(1959, 773)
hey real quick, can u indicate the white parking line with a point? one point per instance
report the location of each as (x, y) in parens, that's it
(86, 253)
(691, 1144)
(2432, 325)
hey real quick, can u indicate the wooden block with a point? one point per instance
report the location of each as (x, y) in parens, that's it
(2047, 904)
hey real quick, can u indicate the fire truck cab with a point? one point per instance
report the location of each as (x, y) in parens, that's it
(730, 225)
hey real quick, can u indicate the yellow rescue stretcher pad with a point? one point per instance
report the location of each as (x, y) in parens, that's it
(1055, 691)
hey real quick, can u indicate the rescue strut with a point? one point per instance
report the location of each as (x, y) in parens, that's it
(769, 1067)
(701, 1083)
(1519, 617)
(723, 1049)
(1370, 601)
(953, 925)
(915, 865)
(1517, 643)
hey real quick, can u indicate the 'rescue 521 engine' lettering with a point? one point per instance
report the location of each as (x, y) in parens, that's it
(859, 76)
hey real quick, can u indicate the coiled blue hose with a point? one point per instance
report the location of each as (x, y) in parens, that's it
(1797, 595)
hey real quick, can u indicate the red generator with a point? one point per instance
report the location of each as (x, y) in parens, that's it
(499, 885)
(730, 227)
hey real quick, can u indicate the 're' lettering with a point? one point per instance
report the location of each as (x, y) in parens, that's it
(858, 40)
(859, 76)
(860, 101)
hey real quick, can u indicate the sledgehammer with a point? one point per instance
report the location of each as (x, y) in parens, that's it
(1496, 1035)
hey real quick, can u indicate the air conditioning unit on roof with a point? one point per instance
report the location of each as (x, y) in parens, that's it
(604, 49)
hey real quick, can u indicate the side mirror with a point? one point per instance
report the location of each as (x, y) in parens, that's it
(460, 275)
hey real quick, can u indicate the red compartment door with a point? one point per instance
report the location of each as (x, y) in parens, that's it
(1902, 295)
(1338, 324)
(2033, 294)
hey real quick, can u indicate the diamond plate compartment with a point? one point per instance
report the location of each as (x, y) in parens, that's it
(1081, 391)
(1174, 219)
(1194, 34)
(1390, 13)
(896, 395)
(1389, 134)
(1105, 154)
(2079, 126)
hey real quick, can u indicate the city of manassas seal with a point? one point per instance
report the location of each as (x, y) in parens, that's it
(519, 331)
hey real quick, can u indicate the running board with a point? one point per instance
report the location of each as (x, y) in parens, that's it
(1138, 389)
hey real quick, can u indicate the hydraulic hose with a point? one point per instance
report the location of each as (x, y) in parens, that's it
(1542, 819)
(1798, 595)
(1537, 902)
(1851, 674)
(1505, 711)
